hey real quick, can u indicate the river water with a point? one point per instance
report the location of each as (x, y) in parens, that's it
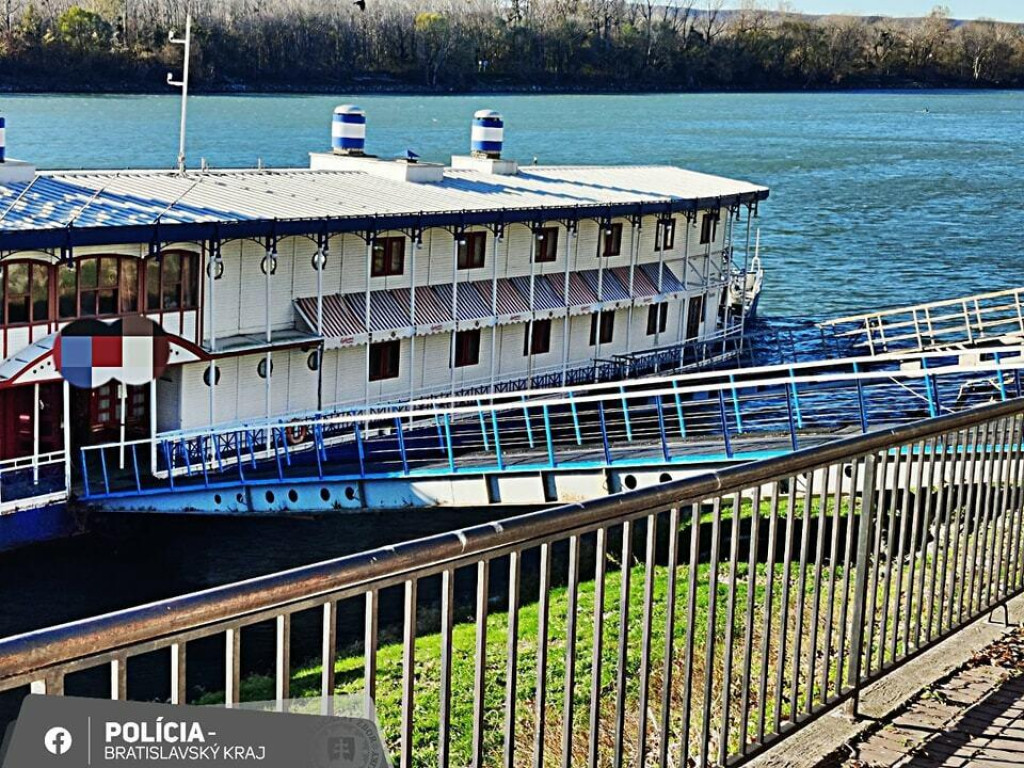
(877, 199)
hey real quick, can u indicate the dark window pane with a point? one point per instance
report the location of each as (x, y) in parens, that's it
(546, 248)
(471, 250)
(17, 309)
(171, 296)
(67, 297)
(88, 273)
(88, 299)
(108, 272)
(377, 265)
(129, 286)
(189, 281)
(152, 285)
(40, 292)
(171, 265)
(467, 348)
(384, 360)
(17, 279)
(107, 302)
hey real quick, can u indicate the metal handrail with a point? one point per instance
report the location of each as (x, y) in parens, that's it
(479, 435)
(949, 490)
(32, 652)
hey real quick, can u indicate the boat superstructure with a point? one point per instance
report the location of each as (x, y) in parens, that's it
(356, 282)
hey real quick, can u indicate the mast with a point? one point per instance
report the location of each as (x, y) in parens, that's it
(183, 83)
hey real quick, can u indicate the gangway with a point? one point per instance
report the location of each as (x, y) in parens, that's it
(545, 445)
(983, 319)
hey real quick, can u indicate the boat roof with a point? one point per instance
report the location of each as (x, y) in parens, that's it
(67, 208)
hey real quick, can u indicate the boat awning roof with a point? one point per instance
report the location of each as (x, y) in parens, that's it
(344, 315)
(34, 363)
(661, 274)
(65, 209)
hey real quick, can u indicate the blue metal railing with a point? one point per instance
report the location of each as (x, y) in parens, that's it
(689, 418)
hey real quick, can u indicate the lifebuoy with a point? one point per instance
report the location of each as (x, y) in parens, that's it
(295, 434)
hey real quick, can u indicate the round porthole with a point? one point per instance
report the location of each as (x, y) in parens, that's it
(325, 494)
(261, 368)
(217, 499)
(319, 261)
(848, 471)
(215, 269)
(216, 375)
(293, 496)
(630, 482)
(350, 492)
(270, 497)
(313, 360)
(240, 498)
(665, 478)
(269, 262)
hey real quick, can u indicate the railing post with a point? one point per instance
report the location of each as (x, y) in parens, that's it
(860, 590)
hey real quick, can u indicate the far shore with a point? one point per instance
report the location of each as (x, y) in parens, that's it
(390, 88)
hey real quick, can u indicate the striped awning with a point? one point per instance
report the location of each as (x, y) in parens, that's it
(644, 291)
(387, 314)
(581, 295)
(545, 298)
(469, 304)
(512, 306)
(670, 284)
(606, 286)
(338, 319)
(432, 314)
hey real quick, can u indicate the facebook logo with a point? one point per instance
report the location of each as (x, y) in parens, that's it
(57, 740)
(341, 748)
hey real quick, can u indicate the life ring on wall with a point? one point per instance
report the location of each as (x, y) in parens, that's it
(295, 433)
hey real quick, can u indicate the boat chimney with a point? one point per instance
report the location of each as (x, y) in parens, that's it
(12, 171)
(348, 153)
(488, 135)
(348, 131)
(487, 139)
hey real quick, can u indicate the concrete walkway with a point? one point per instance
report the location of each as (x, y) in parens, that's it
(974, 718)
(959, 704)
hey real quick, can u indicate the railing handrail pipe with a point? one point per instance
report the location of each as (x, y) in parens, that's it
(54, 646)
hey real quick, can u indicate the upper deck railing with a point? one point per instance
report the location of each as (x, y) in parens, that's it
(695, 623)
(715, 416)
(969, 321)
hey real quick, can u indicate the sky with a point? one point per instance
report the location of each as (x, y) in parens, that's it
(1004, 10)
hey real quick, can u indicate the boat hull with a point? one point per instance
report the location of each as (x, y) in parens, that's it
(36, 525)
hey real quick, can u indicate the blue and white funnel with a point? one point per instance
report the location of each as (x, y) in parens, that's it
(348, 130)
(488, 134)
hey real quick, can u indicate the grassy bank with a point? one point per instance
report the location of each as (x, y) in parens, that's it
(349, 667)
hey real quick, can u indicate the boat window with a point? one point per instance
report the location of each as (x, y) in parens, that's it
(26, 289)
(172, 282)
(657, 318)
(605, 322)
(546, 248)
(384, 357)
(98, 286)
(467, 348)
(611, 242)
(537, 340)
(388, 257)
(694, 317)
(472, 247)
(665, 240)
(709, 228)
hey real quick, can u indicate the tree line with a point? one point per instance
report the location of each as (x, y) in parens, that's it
(494, 44)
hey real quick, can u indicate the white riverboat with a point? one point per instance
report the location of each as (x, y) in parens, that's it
(355, 282)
